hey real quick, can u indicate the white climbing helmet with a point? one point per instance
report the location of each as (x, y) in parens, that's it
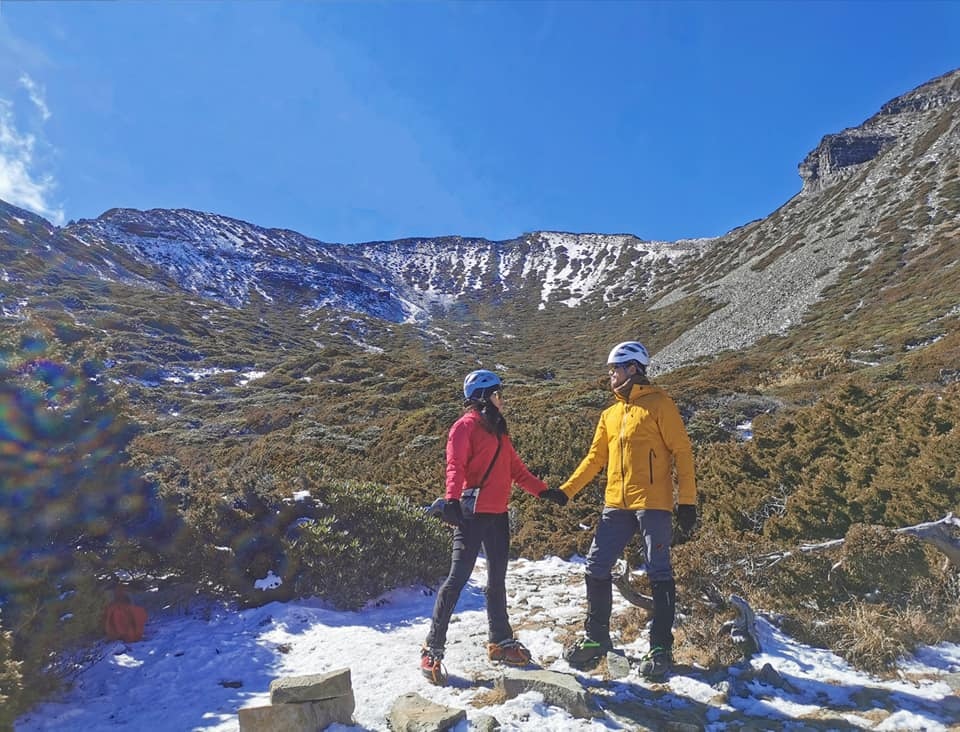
(478, 380)
(628, 351)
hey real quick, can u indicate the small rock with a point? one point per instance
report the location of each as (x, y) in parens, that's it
(484, 723)
(618, 667)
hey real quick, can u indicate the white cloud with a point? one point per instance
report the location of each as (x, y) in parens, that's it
(36, 96)
(21, 183)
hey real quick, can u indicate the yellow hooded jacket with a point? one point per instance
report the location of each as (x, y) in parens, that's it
(639, 440)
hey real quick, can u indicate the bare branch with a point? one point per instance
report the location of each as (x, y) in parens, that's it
(621, 580)
(744, 628)
(938, 533)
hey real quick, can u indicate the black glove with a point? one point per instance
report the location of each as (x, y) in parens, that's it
(556, 495)
(686, 520)
(452, 513)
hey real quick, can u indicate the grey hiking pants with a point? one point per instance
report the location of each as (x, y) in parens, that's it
(617, 527)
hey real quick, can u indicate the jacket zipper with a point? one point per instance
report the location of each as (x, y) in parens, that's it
(623, 472)
(651, 456)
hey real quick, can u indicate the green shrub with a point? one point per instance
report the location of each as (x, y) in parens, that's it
(11, 682)
(371, 541)
(63, 465)
(875, 557)
(56, 614)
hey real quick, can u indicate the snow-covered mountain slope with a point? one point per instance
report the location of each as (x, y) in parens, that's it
(232, 261)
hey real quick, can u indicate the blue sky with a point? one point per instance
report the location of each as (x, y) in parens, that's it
(361, 121)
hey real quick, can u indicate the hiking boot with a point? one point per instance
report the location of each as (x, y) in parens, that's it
(510, 651)
(585, 654)
(656, 664)
(431, 666)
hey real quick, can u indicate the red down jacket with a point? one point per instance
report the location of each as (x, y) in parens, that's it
(470, 448)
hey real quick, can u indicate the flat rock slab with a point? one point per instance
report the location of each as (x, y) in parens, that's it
(412, 713)
(313, 687)
(301, 717)
(559, 690)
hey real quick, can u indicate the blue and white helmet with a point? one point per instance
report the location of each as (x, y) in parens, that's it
(479, 380)
(628, 351)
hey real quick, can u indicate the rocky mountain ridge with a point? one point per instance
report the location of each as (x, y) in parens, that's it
(889, 183)
(892, 182)
(232, 261)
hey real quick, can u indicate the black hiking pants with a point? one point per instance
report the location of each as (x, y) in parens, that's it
(492, 532)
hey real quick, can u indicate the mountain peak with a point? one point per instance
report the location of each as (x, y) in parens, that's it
(841, 154)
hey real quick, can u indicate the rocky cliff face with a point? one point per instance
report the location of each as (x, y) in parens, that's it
(890, 187)
(840, 154)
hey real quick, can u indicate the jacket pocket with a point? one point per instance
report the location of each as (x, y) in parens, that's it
(650, 458)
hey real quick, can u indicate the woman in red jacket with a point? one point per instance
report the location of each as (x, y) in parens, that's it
(482, 466)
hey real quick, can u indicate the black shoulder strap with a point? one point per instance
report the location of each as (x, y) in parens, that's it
(490, 466)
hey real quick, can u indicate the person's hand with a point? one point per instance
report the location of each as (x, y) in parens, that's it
(452, 513)
(556, 495)
(686, 520)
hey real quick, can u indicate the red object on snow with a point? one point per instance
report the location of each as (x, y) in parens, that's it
(122, 619)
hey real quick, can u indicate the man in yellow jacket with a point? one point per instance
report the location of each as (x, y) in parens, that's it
(641, 440)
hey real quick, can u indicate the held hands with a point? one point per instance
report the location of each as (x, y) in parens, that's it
(686, 520)
(556, 495)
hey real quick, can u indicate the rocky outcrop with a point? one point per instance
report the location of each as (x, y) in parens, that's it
(889, 181)
(935, 94)
(303, 704)
(840, 154)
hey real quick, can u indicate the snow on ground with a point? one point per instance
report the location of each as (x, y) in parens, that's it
(194, 671)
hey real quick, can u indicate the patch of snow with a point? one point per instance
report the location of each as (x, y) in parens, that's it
(248, 376)
(270, 582)
(171, 679)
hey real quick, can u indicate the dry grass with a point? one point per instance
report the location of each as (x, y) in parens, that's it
(874, 637)
(490, 697)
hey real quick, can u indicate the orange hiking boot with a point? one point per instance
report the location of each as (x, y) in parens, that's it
(510, 651)
(431, 666)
